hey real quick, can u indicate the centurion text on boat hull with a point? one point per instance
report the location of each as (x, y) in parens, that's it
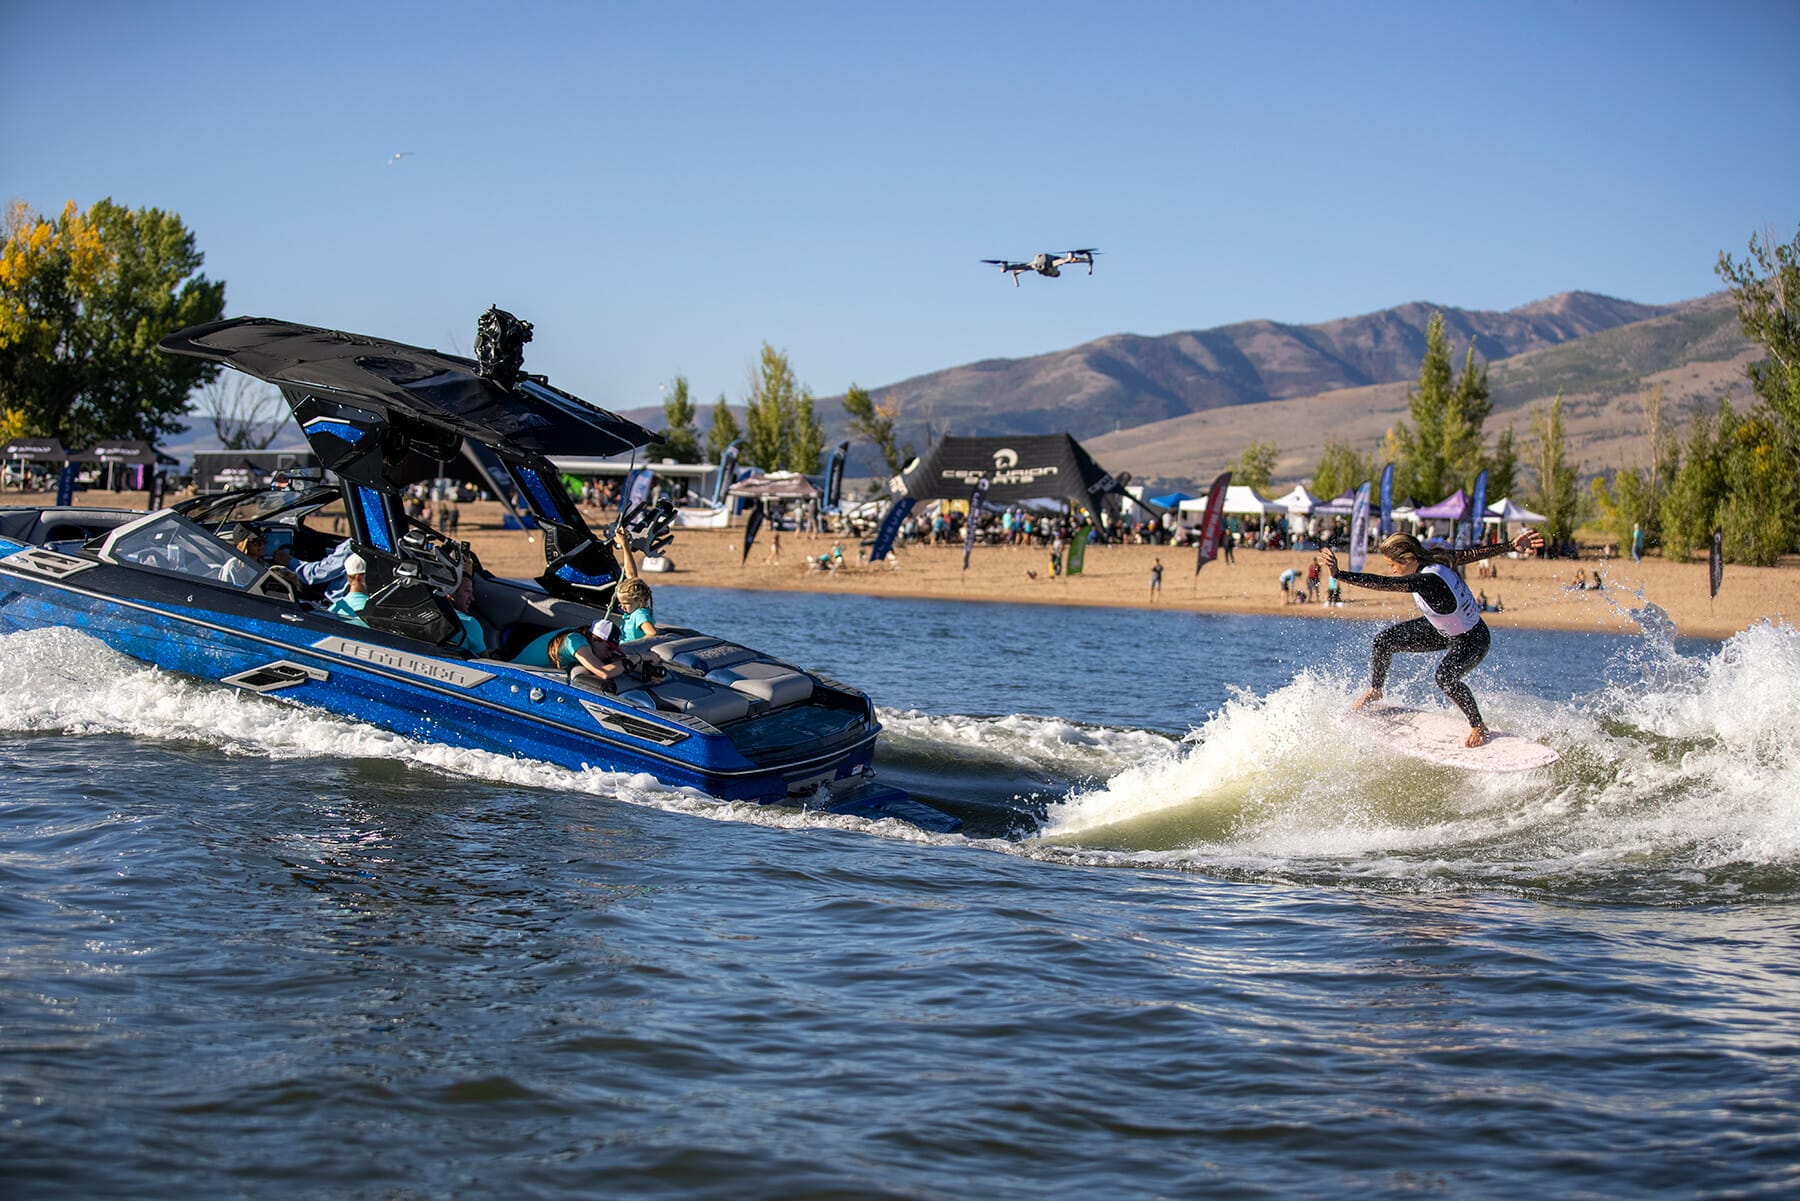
(169, 588)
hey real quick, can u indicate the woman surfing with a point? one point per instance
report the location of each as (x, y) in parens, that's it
(1452, 620)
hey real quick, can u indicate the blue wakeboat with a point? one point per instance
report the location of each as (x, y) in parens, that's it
(171, 587)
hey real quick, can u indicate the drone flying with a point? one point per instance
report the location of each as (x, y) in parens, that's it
(1046, 263)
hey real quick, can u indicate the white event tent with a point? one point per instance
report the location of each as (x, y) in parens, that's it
(1505, 512)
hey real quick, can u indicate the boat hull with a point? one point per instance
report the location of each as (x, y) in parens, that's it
(302, 655)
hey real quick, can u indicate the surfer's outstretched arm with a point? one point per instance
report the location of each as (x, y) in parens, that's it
(1528, 539)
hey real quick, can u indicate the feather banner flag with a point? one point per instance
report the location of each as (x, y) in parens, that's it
(834, 476)
(1078, 550)
(1478, 508)
(890, 528)
(1359, 528)
(750, 528)
(981, 487)
(1715, 563)
(727, 466)
(1387, 500)
(1212, 524)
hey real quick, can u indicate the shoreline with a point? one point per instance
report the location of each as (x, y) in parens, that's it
(1533, 591)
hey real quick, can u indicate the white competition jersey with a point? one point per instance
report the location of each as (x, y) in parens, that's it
(1467, 614)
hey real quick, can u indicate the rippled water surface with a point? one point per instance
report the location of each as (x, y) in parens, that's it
(1202, 937)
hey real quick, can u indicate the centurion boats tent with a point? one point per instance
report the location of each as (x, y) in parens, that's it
(1017, 470)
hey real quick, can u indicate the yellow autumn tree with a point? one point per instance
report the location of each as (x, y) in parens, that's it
(84, 298)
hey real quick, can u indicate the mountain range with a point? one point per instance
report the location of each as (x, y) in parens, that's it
(1176, 408)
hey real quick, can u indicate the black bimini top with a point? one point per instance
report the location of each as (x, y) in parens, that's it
(425, 385)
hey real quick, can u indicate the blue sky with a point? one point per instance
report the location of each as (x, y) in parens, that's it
(662, 189)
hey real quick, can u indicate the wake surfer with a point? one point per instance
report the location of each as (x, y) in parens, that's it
(1452, 620)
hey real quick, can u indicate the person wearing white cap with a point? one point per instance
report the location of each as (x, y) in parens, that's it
(350, 605)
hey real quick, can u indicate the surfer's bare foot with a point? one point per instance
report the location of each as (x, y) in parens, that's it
(1367, 698)
(1477, 736)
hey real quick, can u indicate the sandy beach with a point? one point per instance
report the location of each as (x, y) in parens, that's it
(1534, 592)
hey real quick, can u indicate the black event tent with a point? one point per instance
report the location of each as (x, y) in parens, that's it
(123, 451)
(1017, 469)
(36, 450)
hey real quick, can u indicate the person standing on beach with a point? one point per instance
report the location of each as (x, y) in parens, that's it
(1451, 623)
(1156, 580)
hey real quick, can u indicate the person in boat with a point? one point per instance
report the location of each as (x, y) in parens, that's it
(1451, 620)
(472, 635)
(591, 652)
(327, 573)
(635, 600)
(355, 598)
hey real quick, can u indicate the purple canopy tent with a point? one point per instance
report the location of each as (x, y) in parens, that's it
(1454, 507)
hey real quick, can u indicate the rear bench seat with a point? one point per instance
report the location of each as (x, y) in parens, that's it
(736, 667)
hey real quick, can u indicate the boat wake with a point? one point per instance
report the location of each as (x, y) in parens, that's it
(1679, 780)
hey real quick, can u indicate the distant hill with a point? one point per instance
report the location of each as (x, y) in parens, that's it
(1127, 380)
(1177, 406)
(1695, 350)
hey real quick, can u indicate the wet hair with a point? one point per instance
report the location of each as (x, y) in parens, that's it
(1398, 546)
(633, 594)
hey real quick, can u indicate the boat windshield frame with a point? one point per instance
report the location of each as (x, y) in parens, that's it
(169, 543)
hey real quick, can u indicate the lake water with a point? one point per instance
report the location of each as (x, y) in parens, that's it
(1201, 939)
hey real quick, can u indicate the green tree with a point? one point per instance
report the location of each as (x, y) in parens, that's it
(681, 437)
(874, 420)
(1441, 450)
(1760, 516)
(83, 301)
(1555, 495)
(1688, 505)
(1255, 467)
(1735, 476)
(1766, 289)
(782, 432)
(1624, 505)
(1340, 469)
(723, 431)
(1503, 466)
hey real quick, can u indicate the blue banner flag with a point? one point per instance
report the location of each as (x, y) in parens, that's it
(890, 528)
(1387, 500)
(727, 465)
(1478, 509)
(1359, 527)
(981, 487)
(639, 490)
(834, 476)
(65, 486)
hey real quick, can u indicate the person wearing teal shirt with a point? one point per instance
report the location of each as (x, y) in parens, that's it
(349, 606)
(633, 596)
(472, 637)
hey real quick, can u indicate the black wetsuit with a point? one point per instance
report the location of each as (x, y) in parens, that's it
(1466, 650)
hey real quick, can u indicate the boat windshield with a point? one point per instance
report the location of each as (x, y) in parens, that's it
(261, 505)
(168, 541)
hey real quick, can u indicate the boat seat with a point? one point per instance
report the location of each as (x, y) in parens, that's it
(772, 682)
(702, 654)
(712, 705)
